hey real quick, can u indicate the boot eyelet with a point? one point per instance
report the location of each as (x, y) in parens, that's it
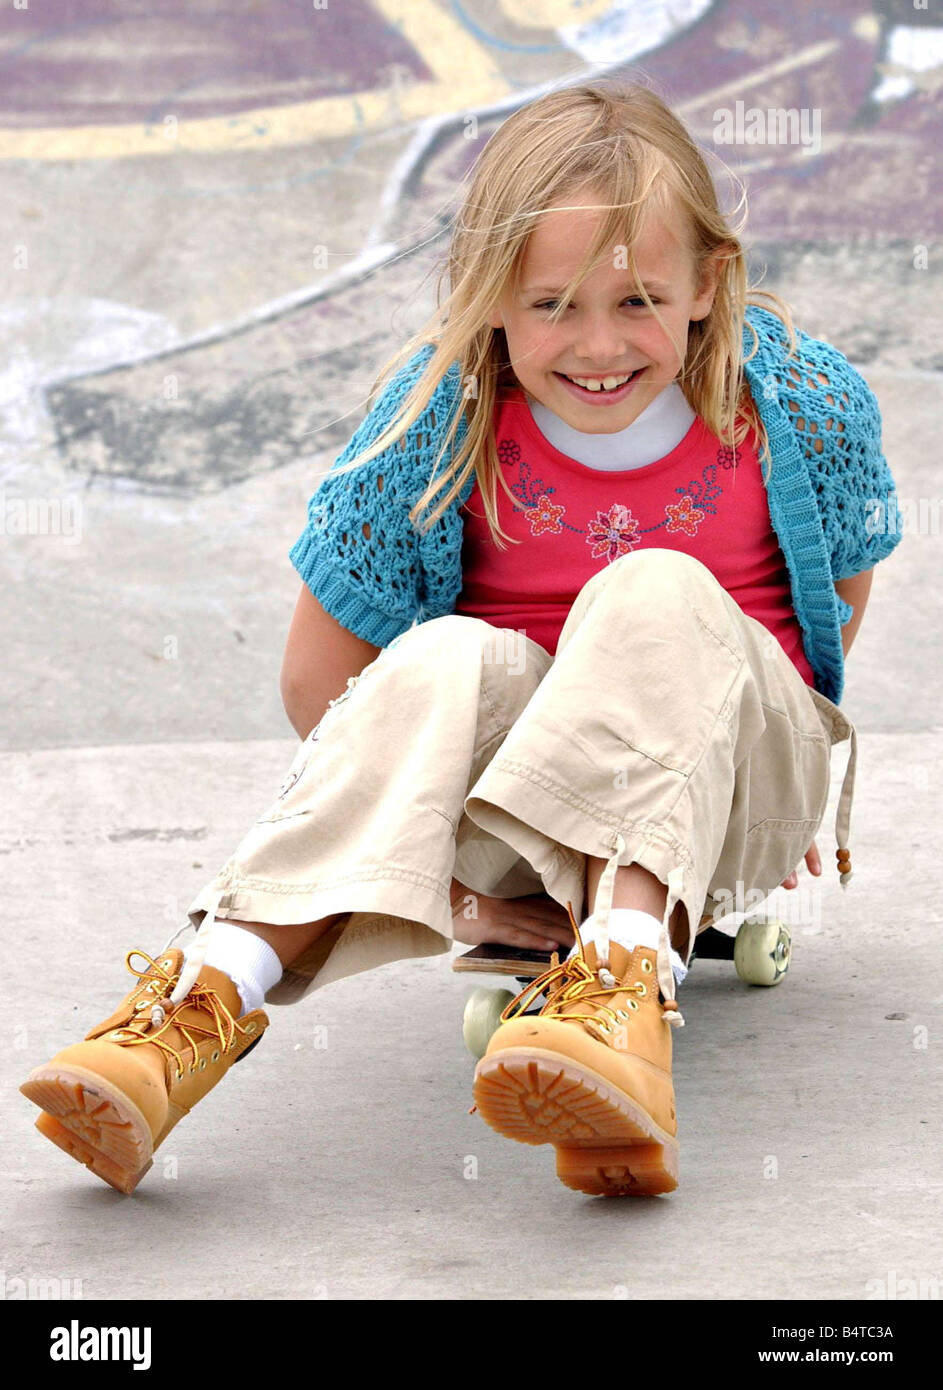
(178, 1075)
(166, 964)
(621, 1013)
(632, 1005)
(250, 1027)
(646, 965)
(643, 992)
(191, 1069)
(215, 1056)
(202, 1064)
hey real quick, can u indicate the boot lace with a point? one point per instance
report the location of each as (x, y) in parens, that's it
(165, 1014)
(572, 980)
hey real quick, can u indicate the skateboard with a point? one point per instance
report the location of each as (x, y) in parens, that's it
(760, 951)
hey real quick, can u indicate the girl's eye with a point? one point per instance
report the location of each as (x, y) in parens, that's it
(633, 300)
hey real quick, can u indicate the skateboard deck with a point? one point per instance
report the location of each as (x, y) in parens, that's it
(493, 959)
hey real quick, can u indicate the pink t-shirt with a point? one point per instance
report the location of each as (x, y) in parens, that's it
(572, 520)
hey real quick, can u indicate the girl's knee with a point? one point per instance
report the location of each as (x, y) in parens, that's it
(457, 635)
(655, 574)
(661, 562)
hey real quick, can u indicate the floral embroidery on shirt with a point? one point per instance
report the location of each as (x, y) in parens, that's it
(702, 491)
(542, 514)
(684, 517)
(509, 451)
(614, 531)
(544, 517)
(696, 501)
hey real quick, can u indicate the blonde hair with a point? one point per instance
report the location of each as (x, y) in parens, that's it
(619, 139)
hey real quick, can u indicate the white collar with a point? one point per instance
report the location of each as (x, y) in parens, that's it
(660, 428)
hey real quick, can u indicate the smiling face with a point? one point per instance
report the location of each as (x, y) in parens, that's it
(607, 330)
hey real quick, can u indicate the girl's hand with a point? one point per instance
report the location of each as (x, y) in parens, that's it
(535, 922)
(813, 864)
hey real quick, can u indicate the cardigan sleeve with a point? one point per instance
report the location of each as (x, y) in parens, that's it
(358, 553)
(838, 424)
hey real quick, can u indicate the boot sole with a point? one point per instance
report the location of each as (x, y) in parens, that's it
(92, 1121)
(607, 1144)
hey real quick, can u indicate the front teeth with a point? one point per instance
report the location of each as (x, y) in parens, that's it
(608, 383)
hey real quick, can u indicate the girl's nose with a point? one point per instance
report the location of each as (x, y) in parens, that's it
(601, 342)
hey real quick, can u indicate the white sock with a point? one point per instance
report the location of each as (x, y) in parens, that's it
(249, 961)
(631, 927)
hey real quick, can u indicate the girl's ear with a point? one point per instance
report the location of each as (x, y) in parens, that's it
(495, 319)
(707, 288)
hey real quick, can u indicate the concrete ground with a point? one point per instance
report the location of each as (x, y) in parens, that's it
(179, 366)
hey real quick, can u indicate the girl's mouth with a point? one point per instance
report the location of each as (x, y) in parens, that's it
(601, 396)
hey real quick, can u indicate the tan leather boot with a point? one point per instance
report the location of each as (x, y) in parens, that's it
(111, 1100)
(590, 1074)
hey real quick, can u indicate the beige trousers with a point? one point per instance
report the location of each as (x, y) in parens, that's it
(670, 730)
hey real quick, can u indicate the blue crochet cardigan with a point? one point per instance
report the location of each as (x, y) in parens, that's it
(827, 478)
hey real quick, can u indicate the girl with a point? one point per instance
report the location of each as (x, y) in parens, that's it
(589, 567)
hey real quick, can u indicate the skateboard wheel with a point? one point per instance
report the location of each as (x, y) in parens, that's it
(761, 952)
(483, 1010)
